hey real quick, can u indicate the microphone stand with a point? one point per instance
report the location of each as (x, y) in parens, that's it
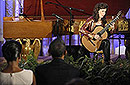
(57, 24)
(64, 6)
(70, 33)
(70, 8)
(119, 45)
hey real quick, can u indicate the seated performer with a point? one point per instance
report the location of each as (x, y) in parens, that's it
(98, 19)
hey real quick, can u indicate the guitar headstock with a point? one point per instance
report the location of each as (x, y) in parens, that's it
(119, 14)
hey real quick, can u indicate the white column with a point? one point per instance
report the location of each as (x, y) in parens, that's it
(9, 8)
(1, 25)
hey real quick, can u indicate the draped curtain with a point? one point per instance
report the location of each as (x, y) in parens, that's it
(32, 7)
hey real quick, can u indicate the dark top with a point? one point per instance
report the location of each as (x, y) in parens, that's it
(56, 72)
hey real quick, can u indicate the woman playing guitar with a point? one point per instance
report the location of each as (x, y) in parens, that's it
(98, 19)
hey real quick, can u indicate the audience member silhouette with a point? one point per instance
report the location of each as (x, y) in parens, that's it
(57, 72)
(13, 74)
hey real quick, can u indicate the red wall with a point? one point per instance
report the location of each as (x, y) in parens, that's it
(32, 7)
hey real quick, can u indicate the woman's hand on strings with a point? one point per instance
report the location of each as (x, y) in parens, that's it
(97, 37)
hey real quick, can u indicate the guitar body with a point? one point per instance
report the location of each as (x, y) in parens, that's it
(93, 45)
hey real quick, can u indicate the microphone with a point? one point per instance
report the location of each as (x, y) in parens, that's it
(58, 17)
(48, 2)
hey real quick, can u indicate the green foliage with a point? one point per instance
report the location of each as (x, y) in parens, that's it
(98, 73)
(128, 55)
(30, 63)
(114, 73)
(70, 60)
(3, 66)
(91, 69)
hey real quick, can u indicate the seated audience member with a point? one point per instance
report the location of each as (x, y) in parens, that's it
(13, 74)
(57, 72)
(77, 81)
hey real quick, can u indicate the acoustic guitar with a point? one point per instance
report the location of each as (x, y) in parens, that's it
(93, 45)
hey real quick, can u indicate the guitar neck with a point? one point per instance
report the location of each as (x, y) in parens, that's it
(110, 24)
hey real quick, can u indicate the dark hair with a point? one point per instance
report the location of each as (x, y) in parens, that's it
(57, 48)
(11, 50)
(97, 7)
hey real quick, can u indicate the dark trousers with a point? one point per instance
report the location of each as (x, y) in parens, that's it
(105, 46)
